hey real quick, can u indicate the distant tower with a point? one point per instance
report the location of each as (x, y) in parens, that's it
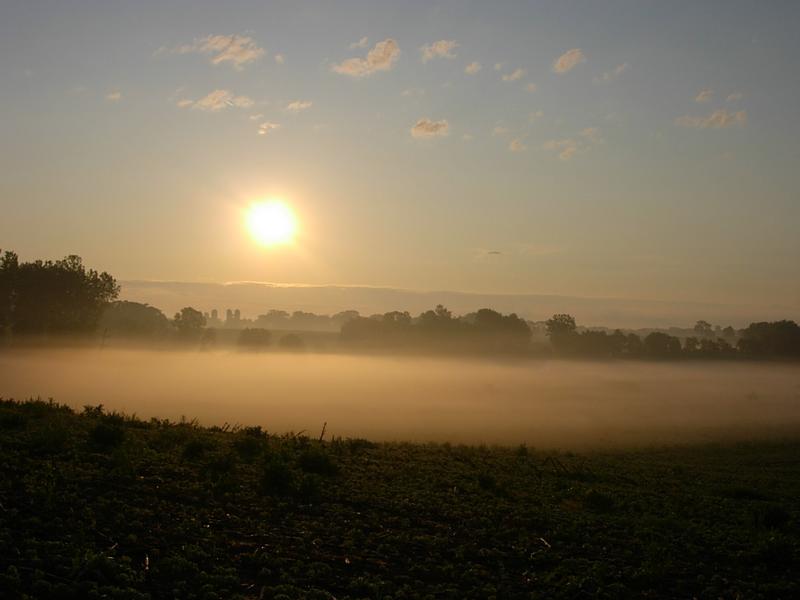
(228, 314)
(237, 315)
(214, 314)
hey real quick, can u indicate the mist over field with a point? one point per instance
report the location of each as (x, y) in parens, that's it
(567, 404)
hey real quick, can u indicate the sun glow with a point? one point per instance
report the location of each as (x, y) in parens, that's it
(271, 223)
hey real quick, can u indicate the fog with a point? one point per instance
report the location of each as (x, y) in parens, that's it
(566, 404)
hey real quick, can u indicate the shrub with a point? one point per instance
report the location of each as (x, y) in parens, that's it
(316, 460)
(106, 436)
(277, 478)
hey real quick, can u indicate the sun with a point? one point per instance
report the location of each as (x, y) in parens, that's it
(271, 223)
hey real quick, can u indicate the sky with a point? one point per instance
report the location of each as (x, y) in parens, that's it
(618, 149)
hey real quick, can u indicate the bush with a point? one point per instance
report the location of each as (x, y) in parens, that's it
(316, 460)
(277, 478)
(106, 436)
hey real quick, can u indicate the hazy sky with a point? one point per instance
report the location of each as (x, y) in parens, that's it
(627, 149)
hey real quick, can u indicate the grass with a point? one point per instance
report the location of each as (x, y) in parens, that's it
(98, 505)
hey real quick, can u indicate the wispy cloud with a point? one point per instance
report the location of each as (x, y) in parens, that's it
(515, 75)
(530, 88)
(237, 50)
(734, 97)
(440, 49)
(704, 95)
(517, 145)
(472, 68)
(299, 105)
(280, 59)
(381, 58)
(719, 119)
(613, 74)
(266, 127)
(362, 43)
(114, 96)
(592, 134)
(426, 128)
(569, 60)
(566, 148)
(218, 100)
(499, 130)
(569, 147)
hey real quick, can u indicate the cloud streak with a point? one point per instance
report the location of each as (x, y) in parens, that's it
(719, 119)
(217, 100)
(299, 106)
(569, 60)
(426, 128)
(238, 50)
(472, 68)
(440, 49)
(381, 58)
(516, 75)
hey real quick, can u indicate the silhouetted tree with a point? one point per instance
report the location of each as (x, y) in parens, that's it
(703, 329)
(776, 339)
(189, 323)
(254, 339)
(123, 318)
(44, 297)
(661, 345)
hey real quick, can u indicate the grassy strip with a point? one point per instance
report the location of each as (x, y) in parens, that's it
(99, 505)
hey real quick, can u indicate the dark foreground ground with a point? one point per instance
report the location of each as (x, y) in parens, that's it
(100, 506)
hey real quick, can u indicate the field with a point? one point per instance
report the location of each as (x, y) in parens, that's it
(98, 505)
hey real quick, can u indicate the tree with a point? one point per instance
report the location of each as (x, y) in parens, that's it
(775, 339)
(560, 324)
(45, 297)
(662, 345)
(703, 329)
(189, 323)
(133, 319)
(254, 338)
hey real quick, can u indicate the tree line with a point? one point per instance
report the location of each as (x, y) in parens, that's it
(63, 297)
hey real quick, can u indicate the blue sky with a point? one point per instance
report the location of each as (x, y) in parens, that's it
(617, 149)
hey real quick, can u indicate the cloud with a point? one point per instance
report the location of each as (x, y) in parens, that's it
(114, 96)
(494, 252)
(531, 88)
(499, 130)
(218, 100)
(516, 75)
(569, 147)
(266, 127)
(425, 128)
(467, 137)
(612, 74)
(381, 58)
(235, 49)
(517, 145)
(256, 117)
(734, 97)
(569, 60)
(704, 95)
(362, 43)
(440, 49)
(566, 148)
(299, 105)
(498, 66)
(719, 119)
(592, 134)
(534, 116)
(472, 68)
(280, 59)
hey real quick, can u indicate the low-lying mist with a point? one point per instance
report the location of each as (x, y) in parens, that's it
(567, 404)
